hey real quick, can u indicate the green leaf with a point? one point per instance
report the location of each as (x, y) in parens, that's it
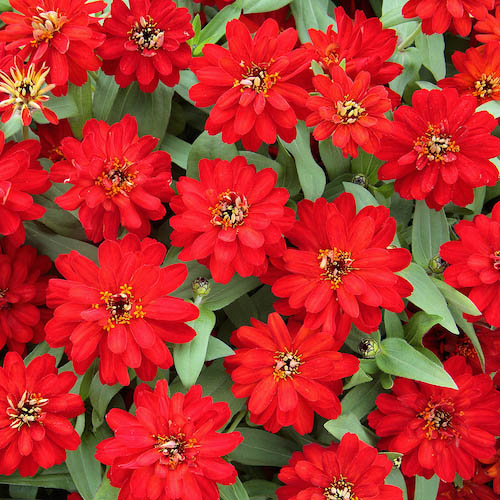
(311, 175)
(177, 148)
(106, 491)
(427, 296)
(258, 489)
(420, 323)
(333, 159)
(361, 399)
(105, 93)
(367, 165)
(431, 48)
(262, 448)
(290, 178)
(493, 107)
(152, 109)
(399, 358)
(100, 395)
(362, 196)
(395, 478)
(190, 357)
(348, 422)
(53, 245)
(411, 60)
(85, 470)
(241, 310)
(222, 295)
(427, 85)
(63, 107)
(82, 97)
(12, 127)
(426, 489)
(392, 324)
(210, 147)
(217, 349)
(310, 14)
(360, 377)
(234, 491)
(55, 477)
(430, 231)
(457, 299)
(43, 348)
(23, 492)
(256, 6)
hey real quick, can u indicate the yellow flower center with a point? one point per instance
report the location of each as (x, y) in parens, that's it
(436, 145)
(487, 86)
(230, 211)
(173, 448)
(27, 411)
(118, 177)
(495, 256)
(349, 111)
(46, 24)
(256, 78)
(335, 264)
(340, 489)
(287, 364)
(438, 420)
(146, 35)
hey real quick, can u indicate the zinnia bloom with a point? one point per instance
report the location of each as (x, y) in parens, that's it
(146, 42)
(253, 84)
(438, 15)
(35, 405)
(121, 312)
(468, 491)
(432, 150)
(23, 285)
(342, 265)
(478, 73)
(439, 430)
(117, 179)
(490, 469)
(232, 219)
(489, 28)
(350, 470)
(350, 112)
(362, 44)
(288, 373)
(58, 32)
(21, 176)
(50, 139)
(475, 263)
(25, 92)
(170, 449)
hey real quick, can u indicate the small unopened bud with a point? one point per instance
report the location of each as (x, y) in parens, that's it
(368, 348)
(396, 463)
(201, 288)
(360, 180)
(437, 265)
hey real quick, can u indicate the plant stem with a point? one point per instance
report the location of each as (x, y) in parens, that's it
(239, 417)
(26, 134)
(410, 39)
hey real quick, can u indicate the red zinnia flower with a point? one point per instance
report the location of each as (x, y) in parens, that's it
(232, 219)
(350, 112)
(121, 312)
(288, 374)
(475, 263)
(253, 84)
(489, 28)
(24, 92)
(440, 430)
(59, 32)
(146, 42)
(438, 15)
(362, 44)
(479, 73)
(50, 139)
(432, 150)
(23, 285)
(117, 178)
(21, 176)
(491, 471)
(342, 264)
(348, 470)
(35, 405)
(170, 449)
(468, 491)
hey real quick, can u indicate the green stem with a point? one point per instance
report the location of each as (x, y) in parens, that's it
(239, 417)
(409, 39)
(26, 133)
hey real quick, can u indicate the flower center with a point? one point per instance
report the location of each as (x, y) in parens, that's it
(348, 111)
(435, 145)
(27, 410)
(335, 264)
(496, 259)
(287, 364)
(173, 448)
(119, 177)
(122, 306)
(55, 155)
(486, 86)
(46, 24)
(257, 78)
(465, 348)
(230, 211)
(331, 55)
(438, 420)
(340, 489)
(146, 35)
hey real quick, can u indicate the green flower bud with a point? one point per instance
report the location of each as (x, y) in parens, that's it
(360, 180)
(368, 348)
(201, 287)
(437, 265)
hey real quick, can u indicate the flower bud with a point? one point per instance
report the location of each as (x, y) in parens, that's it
(201, 287)
(360, 180)
(368, 348)
(437, 265)
(396, 463)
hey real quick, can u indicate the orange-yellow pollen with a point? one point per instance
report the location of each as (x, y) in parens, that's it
(118, 177)
(122, 306)
(27, 411)
(435, 145)
(146, 35)
(46, 24)
(340, 489)
(230, 211)
(495, 256)
(348, 111)
(438, 420)
(256, 78)
(487, 86)
(173, 448)
(335, 264)
(287, 364)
